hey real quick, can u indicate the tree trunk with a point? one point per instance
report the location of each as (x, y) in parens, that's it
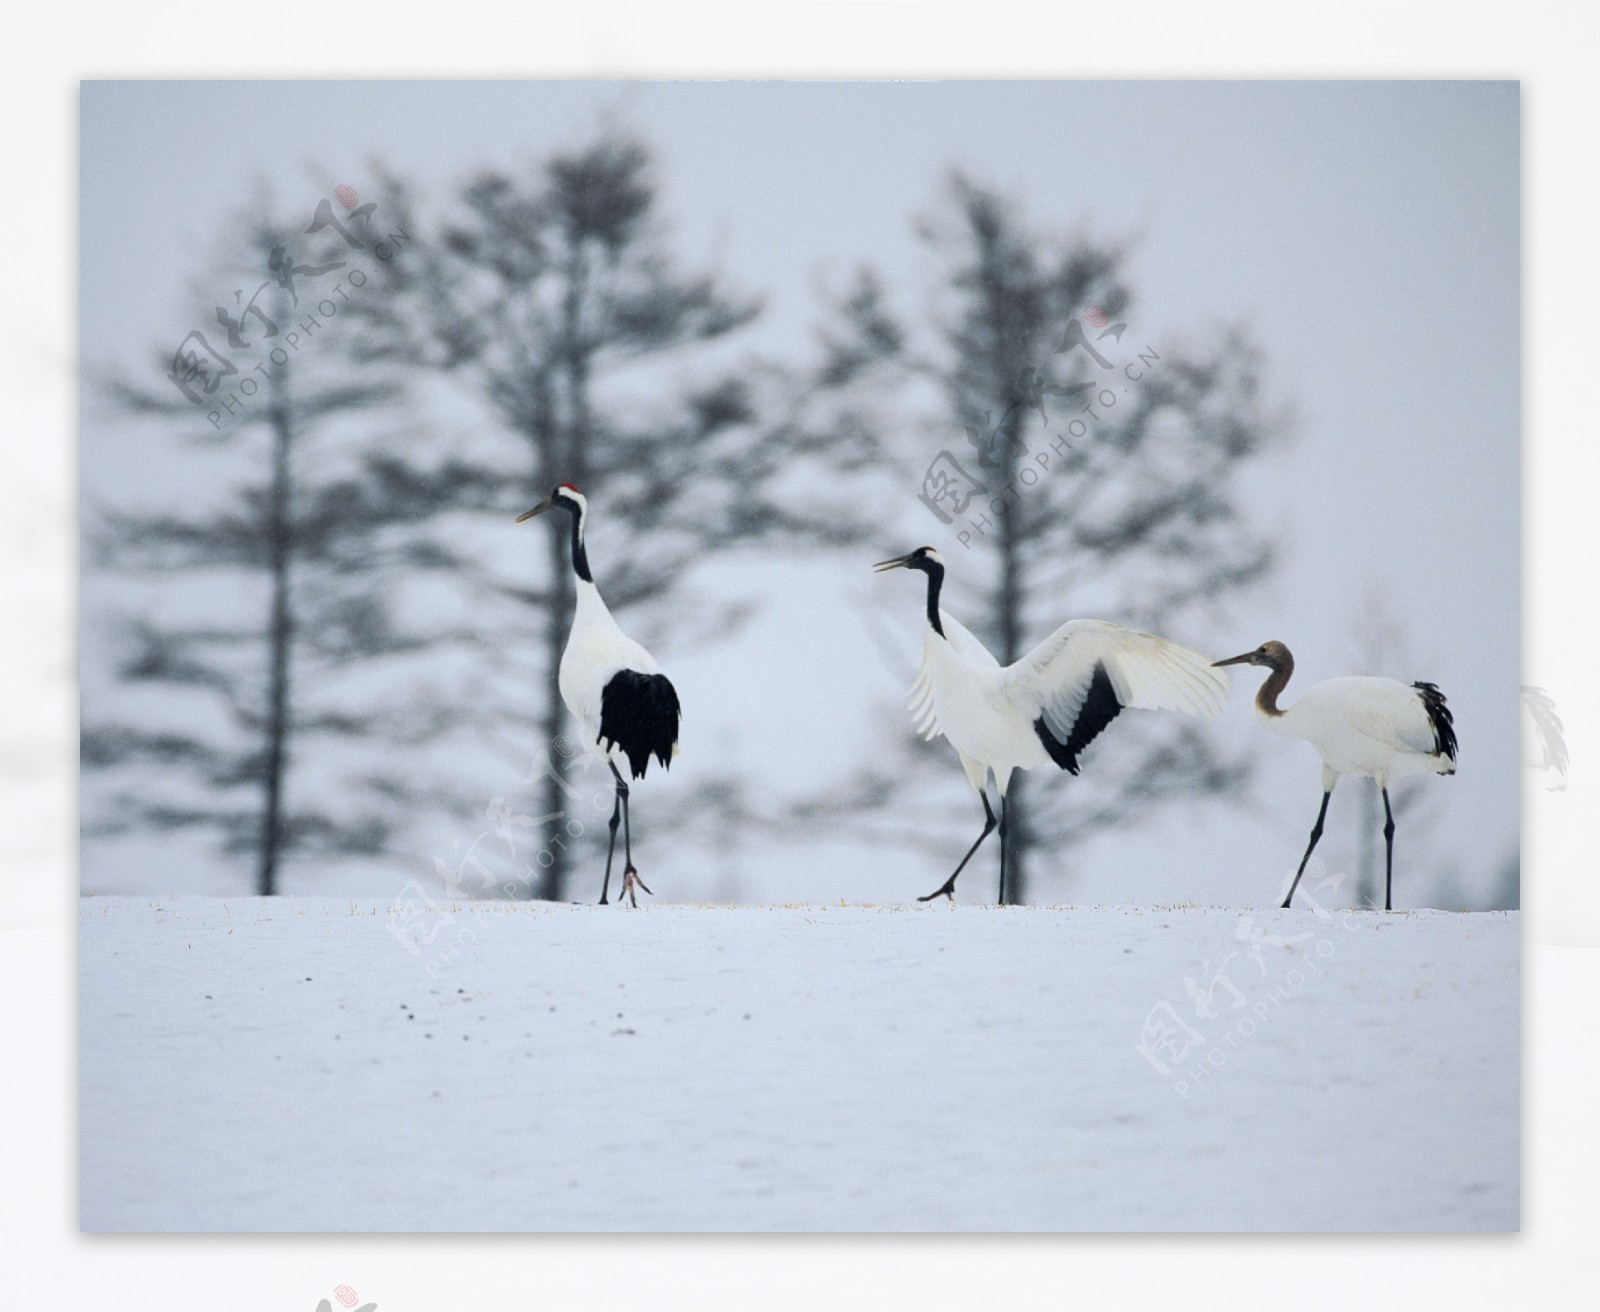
(280, 634)
(1013, 589)
(565, 445)
(553, 881)
(1367, 883)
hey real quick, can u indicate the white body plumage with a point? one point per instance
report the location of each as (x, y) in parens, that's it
(1363, 725)
(597, 651)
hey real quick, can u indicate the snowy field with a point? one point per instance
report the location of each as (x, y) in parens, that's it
(310, 1065)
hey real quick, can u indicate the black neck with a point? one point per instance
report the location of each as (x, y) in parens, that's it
(580, 557)
(935, 573)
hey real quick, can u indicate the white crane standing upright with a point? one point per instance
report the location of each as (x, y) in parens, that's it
(626, 708)
(1049, 705)
(1376, 727)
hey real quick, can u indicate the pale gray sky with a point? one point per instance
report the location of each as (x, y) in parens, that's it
(1367, 233)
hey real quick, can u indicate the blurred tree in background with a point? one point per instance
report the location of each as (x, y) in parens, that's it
(279, 516)
(549, 295)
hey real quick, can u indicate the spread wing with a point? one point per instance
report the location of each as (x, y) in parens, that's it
(1079, 679)
(924, 714)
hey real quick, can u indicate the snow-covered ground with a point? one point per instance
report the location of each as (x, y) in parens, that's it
(303, 1064)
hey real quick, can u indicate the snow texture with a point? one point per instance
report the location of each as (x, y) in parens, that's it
(307, 1065)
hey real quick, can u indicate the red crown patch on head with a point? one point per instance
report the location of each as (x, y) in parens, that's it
(572, 487)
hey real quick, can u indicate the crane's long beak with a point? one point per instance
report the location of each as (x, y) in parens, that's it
(537, 510)
(899, 562)
(1242, 659)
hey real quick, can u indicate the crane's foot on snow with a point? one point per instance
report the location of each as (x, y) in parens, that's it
(631, 881)
(949, 891)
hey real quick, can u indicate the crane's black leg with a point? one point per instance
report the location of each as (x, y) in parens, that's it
(1316, 833)
(1388, 855)
(616, 819)
(948, 889)
(630, 876)
(1002, 850)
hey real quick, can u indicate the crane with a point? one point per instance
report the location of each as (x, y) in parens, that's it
(1045, 708)
(627, 709)
(1379, 728)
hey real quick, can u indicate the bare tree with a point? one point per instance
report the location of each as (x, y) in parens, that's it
(298, 535)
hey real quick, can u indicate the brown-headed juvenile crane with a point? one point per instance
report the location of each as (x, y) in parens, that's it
(627, 710)
(1362, 726)
(1048, 706)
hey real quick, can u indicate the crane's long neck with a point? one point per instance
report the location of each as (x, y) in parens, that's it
(1277, 681)
(580, 557)
(935, 573)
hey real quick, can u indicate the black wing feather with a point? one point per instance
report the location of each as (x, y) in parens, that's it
(639, 713)
(1444, 728)
(1099, 708)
